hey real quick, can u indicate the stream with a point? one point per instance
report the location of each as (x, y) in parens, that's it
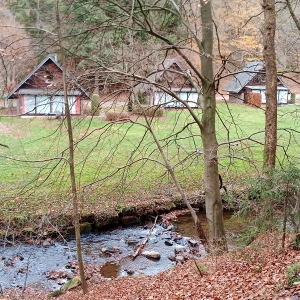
(50, 265)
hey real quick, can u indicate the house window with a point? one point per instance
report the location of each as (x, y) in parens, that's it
(43, 105)
(164, 99)
(168, 101)
(58, 104)
(30, 106)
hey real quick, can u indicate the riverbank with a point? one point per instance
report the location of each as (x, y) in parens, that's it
(259, 271)
(39, 226)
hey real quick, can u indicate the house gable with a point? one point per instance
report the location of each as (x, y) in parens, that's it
(260, 80)
(241, 79)
(169, 76)
(41, 91)
(47, 76)
(252, 79)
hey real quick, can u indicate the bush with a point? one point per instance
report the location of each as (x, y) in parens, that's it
(114, 115)
(293, 98)
(95, 104)
(272, 203)
(293, 273)
(141, 98)
(129, 105)
(149, 111)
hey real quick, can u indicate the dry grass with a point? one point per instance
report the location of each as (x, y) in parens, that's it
(149, 111)
(115, 115)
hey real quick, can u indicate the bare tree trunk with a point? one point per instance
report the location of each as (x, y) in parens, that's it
(71, 158)
(198, 225)
(271, 84)
(213, 203)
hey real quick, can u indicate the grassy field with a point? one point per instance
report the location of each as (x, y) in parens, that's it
(117, 165)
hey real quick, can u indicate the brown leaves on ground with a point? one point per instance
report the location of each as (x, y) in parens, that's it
(255, 272)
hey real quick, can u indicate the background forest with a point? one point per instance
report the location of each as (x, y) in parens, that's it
(93, 40)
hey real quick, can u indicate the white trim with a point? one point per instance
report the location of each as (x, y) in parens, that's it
(48, 92)
(263, 87)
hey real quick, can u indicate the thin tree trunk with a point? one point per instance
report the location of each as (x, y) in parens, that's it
(71, 158)
(271, 84)
(199, 228)
(213, 203)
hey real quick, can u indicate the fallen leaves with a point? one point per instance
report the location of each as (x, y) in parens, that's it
(251, 273)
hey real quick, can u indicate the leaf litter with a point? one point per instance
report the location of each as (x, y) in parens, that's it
(257, 271)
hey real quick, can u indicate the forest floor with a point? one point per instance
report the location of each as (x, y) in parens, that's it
(262, 270)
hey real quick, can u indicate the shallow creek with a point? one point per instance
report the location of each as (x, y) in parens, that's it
(39, 265)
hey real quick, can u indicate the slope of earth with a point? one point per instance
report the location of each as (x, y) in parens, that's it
(258, 271)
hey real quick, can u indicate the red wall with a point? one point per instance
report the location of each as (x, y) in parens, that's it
(22, 105)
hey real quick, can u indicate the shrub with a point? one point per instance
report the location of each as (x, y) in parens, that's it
(129, 105)
(272, 203)
(295, 243)
(95, 104)
(293, 98)
(141, 98)
(293, 273)
(149, 111)
(114, 115)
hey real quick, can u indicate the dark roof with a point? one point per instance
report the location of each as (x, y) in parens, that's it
(49, 57)
(241, 79)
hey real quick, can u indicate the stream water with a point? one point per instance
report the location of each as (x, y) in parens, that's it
(48, 266)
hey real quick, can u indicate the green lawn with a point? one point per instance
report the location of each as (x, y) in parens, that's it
(34, 173)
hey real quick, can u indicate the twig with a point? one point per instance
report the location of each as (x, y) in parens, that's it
(198, 268)
(142, 245)
(26, 276)
(285, 215)
(6, 234)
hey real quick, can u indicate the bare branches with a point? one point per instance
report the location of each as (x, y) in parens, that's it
(27, 28)
(291, 10)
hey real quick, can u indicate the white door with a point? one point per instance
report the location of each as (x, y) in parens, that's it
(164, 99)
(43, 105)
(29, 103)
(282, 97)
(263, 96)
(58, 104)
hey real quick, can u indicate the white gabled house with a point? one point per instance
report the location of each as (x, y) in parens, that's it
(252, 79)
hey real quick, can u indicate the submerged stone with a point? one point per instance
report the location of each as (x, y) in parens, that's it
(168, 243)
(193, 243)
(132, 242)
(151, 254)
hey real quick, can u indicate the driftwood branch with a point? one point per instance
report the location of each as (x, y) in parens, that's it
(142, 245)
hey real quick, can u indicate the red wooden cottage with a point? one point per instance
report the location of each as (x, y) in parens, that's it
(41, 92)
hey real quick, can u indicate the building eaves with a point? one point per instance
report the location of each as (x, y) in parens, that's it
(49, 57)
(241, 79)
